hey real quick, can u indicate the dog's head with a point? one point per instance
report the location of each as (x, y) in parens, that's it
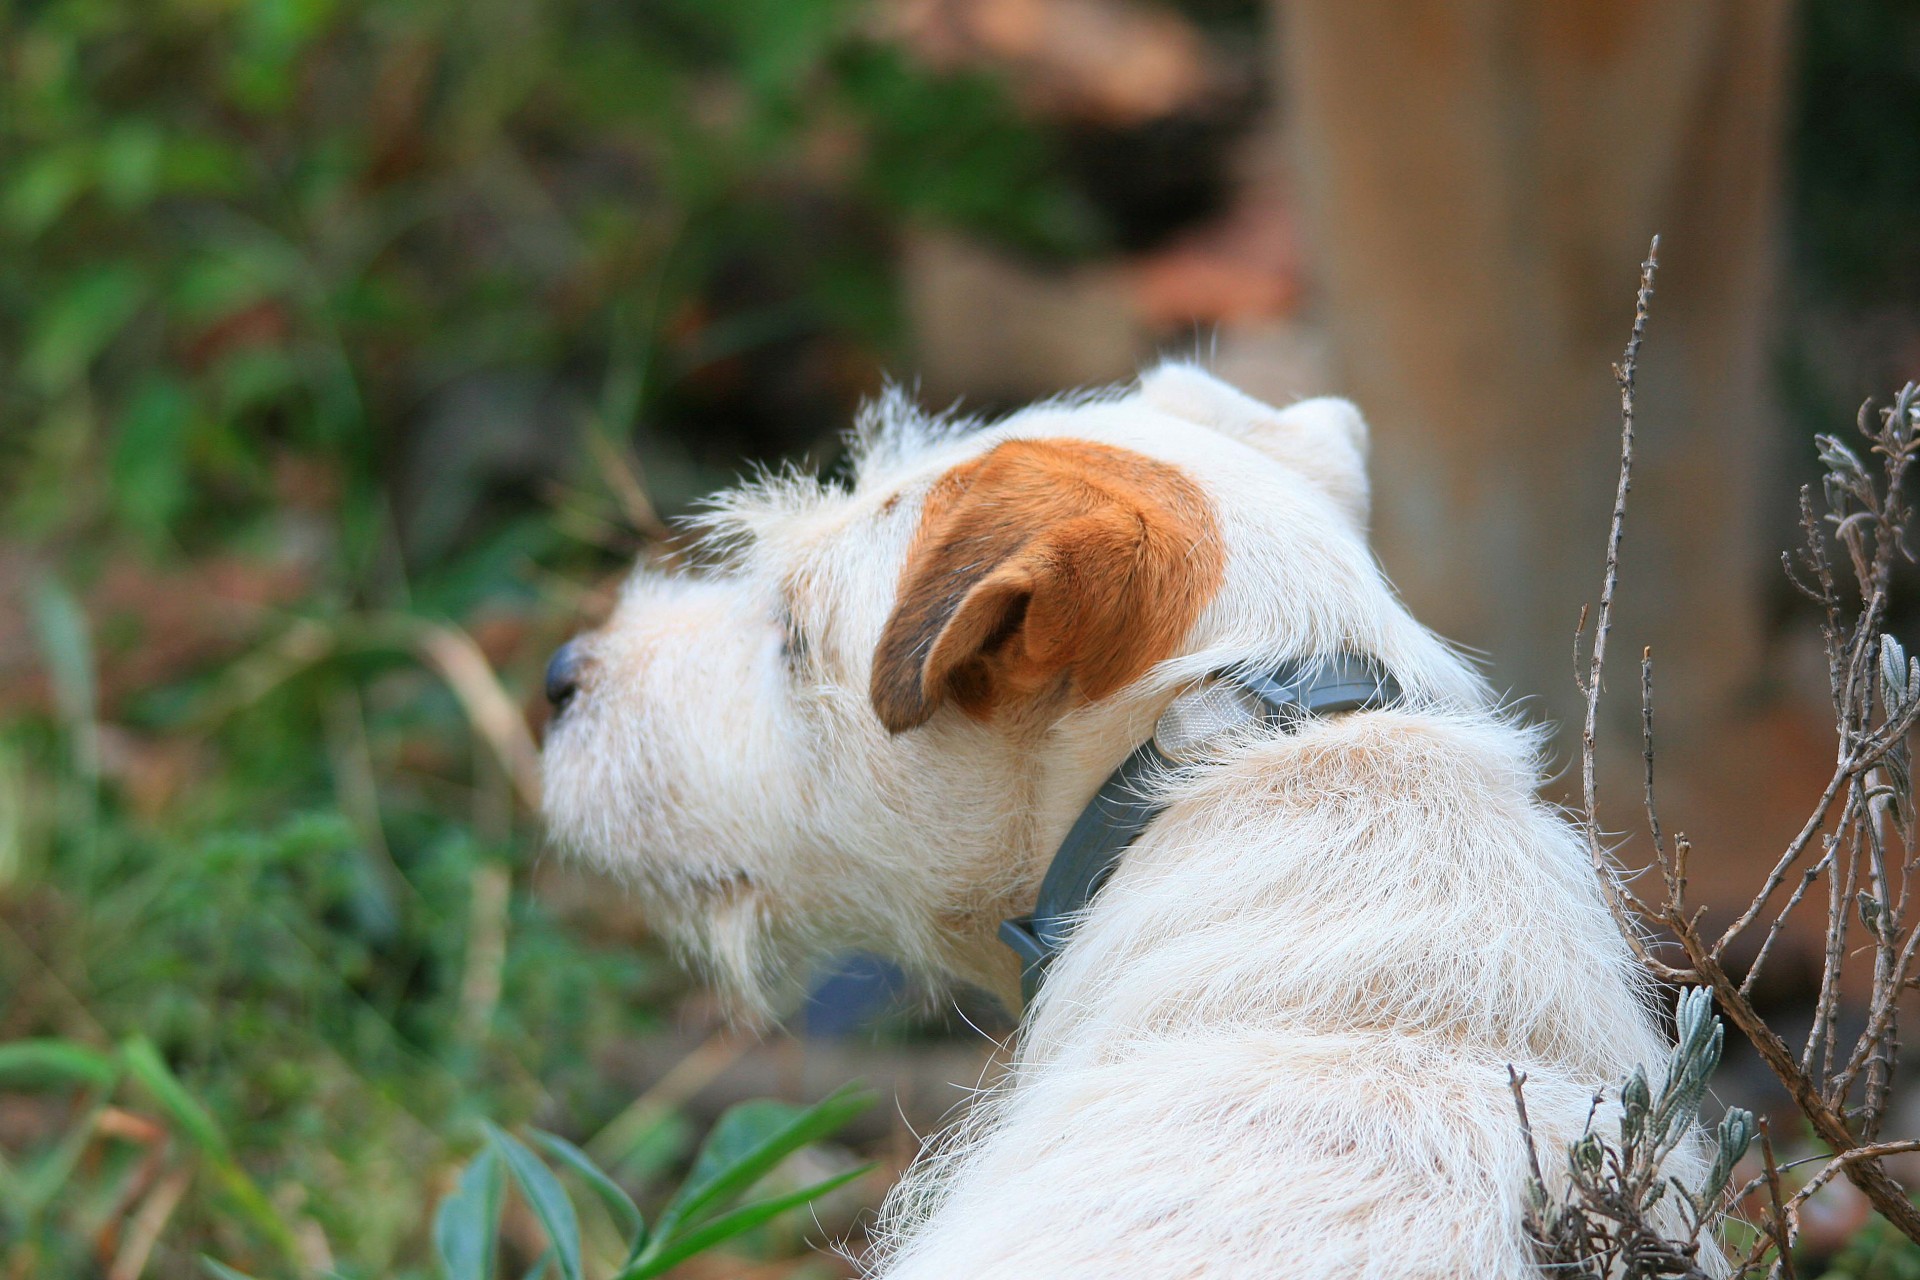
(868, 717)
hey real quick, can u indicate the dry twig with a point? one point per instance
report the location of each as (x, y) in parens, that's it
(1862, 822)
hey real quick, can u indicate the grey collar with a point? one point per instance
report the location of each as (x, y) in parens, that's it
(1125, 805)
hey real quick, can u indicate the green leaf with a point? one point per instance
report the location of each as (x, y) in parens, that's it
(618, 1202)
(33, 1063)
(644, 1141)
(468, 1220)
(43, 186)
(78, 322)
(539, 1269)
(150, 453)
(144, 1064)
(129, 160)
(221, 1270)
(668, 1254)
(749, 1140)
(546, 1197)
(203, 166)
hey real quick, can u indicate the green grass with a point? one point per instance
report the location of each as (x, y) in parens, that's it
(274, 959)
(274, 1019)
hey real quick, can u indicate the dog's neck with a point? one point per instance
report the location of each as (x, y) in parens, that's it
(1390, 871)
(1227, 704)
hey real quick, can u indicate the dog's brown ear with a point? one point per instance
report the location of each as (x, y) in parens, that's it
(1042, 564)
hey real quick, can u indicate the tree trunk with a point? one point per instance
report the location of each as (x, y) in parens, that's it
(1481, 179)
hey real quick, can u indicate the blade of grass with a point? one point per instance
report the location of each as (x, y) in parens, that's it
(468, 1221)
(145, 1065)
(747, 1143)
(546, 1197)
(32, 1063)
(618, 1202)
(669, 1253)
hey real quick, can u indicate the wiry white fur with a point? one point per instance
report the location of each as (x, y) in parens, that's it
(1277, 1044)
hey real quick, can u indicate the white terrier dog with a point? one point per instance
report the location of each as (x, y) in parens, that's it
(1275, 1042)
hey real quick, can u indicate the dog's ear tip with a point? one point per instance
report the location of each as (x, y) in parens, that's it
(898, 708)
(895, 723)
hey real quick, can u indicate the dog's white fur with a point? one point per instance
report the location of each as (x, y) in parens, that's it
(1277, 1043)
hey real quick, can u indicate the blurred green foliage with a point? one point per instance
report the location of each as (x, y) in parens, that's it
(231, 229)
(748, 1145)
(1877, 1252)
(289, 289)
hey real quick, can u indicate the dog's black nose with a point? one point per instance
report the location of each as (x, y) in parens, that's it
(563, 675)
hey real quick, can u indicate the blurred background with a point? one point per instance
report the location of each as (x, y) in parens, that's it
(352, 348)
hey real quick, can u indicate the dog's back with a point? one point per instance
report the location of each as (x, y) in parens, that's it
(1278, 1044)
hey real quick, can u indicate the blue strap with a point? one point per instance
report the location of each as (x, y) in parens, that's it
(1122, 809)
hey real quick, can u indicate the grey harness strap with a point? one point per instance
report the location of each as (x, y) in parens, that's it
(1124, 807)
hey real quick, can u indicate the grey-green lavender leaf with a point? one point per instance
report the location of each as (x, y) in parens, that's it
(1734, 1136)
(1636, 1105)
(1893, 676)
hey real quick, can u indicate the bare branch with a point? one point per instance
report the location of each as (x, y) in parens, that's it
(1871, 783)
(1622, 901)
(1846, 1159)
(1623, 376)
